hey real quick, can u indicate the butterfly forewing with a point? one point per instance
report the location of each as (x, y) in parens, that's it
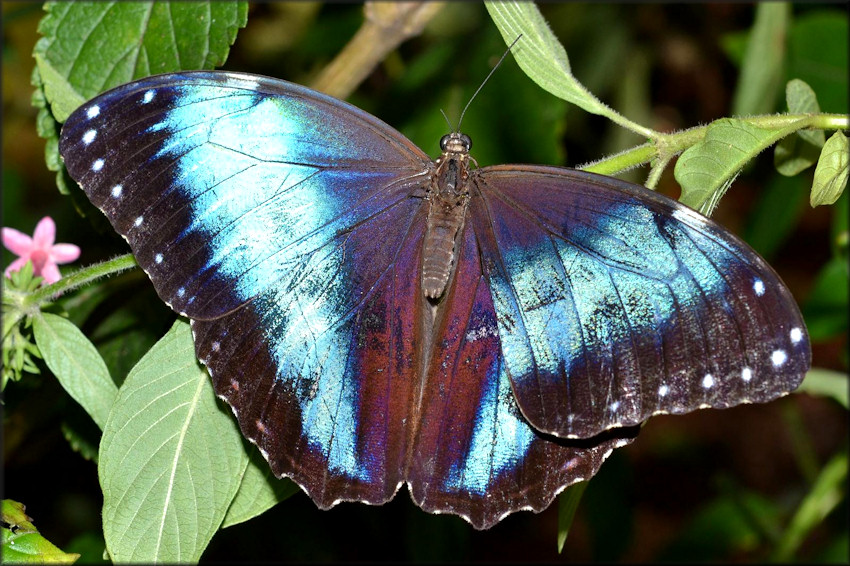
(615, 303)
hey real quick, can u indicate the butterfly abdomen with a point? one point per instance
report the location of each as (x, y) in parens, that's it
(438, 254)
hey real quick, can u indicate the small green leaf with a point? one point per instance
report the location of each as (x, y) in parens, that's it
(705, 169)
(800, 150)
(89, 47)
(761, 70)
(76, 364)
(832, 171)
(567, 505)
(171, 458)
(827, 383)
(801, 99)
(259, 491)
(22, 543)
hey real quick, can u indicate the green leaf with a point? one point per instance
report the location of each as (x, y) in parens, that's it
(780, 205)
(542, 57)
(832, 171)
(89, 47)
(827, 492)
(259, 491)
(827, 383)
(800, 150)
(761, 70)
(801, 99)
(825, 309)
(567, 505)
(705, 169)
(171, 458)
(818, 54)
(22, 543)
(76, 364)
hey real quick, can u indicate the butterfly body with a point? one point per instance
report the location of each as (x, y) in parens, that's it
(374, 318)
(448, 199)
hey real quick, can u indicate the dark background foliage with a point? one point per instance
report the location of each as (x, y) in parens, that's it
(712, 485)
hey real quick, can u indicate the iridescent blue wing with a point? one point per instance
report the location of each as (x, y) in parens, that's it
(615, 303)
(274, 217)
(474, 454)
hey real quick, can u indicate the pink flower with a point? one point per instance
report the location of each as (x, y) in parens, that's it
(40, 250)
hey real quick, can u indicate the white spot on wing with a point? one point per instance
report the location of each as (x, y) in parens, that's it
(614, 406)
(158, 258)
(746, 374)
(138, 221)
(148, 96)
(708, 381)
(758, 287)
(93, 112)
(778, 357)
(181, 291)
(116, 191)
(97, 165)
(796, 335)
(89, 136)
(663, 390)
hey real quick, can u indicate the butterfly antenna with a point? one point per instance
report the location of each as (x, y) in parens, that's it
(484, 82)
(447, 119)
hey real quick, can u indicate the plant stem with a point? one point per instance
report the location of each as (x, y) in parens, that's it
(665, 147)
(80, 278)
(386, 25)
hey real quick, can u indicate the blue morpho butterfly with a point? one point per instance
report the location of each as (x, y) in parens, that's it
(374, 317)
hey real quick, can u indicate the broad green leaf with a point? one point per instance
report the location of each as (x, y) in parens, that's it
(705, 169)
(259, 491)
(89, 47)
(171, 458)
(542, 57)
(761, 70)
(76, 364)
(22, 543)
(827, 383)
(818, 54)
(831, 171)
(800, 150)
(568, 502)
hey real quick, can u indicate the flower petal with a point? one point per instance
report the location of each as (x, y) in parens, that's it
(17, 242)
(64, 253)
(50, 272)
(45, 233)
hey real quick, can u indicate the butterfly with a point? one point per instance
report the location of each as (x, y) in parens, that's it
(374, 318)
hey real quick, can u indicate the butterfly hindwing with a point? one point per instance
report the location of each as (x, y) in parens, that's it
(616, 303)
(475, 454)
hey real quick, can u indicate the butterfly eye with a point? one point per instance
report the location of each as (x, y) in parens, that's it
(444, 142)
(466, 141)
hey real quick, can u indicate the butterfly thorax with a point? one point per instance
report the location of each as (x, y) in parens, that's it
(448, 197)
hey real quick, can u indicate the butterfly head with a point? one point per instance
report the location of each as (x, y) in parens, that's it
(455, 143)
